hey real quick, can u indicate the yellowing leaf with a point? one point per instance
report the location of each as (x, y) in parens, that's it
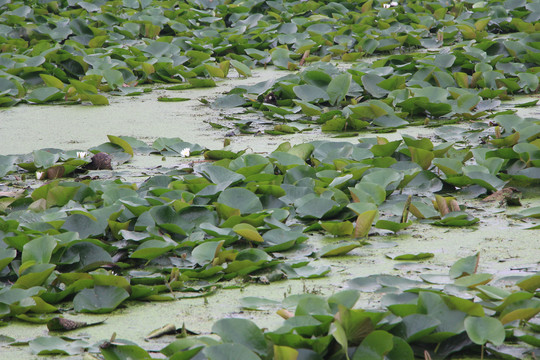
(364, 222)
(122, 143)
(248, 231)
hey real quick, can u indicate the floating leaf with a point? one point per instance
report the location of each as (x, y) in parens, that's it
(391, 225)
(465, 266)
(409, 257)
(338, 228)
(100, 299)
(484, 329)
(337, 249)
(248, 231)
(122, 143)
(375, 346)
(241, 332)
(51, 345)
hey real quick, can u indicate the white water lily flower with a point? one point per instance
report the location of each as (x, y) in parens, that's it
(185, 152)
(82, 154)
(392, 4)
(40, 175)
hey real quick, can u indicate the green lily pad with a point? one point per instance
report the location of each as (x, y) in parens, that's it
(337, 249)
(409, 257)
(482, 330)
(100, 299)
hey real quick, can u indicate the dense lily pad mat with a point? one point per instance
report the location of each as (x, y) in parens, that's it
(76, 50)
(100, 242)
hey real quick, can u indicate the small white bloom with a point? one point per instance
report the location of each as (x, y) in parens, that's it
(386, 6)
(82, 154)
(185, 152)
(40, 175)
(393, 3)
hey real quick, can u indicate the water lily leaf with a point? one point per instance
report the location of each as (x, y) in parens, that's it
(392, 225)
(416, 326)
(51, 345)
(215, 71)
(172, 99)
(520, 314)
(7, 256)
(485, 180)
(304, 272)
(533, 212)
(311, 93)
(34, 275)
(229, 352)
(52, 81)
(308, 108)
(258, 303)
(45, 159)
(164, 330)
(122, 143)
(422, 105)
(338, 88)
(220, 154)
(318, 208)
(124, 352)
(206, 252)
(241, 68)
(337, 228)
(7, 165)
(364, 222)
(317, 77)
(368, 192)
(485, 329)
(221, 176)
(385, 147)
(530, 283)
(241, 332)
(471, 281)
(457, 218)
(229, 101)
(449, 166)
(88, 91)
(526, 104)
(419, 256)
(151, 249)
(86, 256)
(281, 240)
(85, 225)
(387, 178)
(464, 266)
(370, 83)
(100, 299)
(201, 83)
(45, 94)
(421, 157)
(375, 346)
(248, 231)
(335, 124)
(285, 353)
(280, 58)
(242, 199)
(337, 249)
(493, 292)
(39, 250)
